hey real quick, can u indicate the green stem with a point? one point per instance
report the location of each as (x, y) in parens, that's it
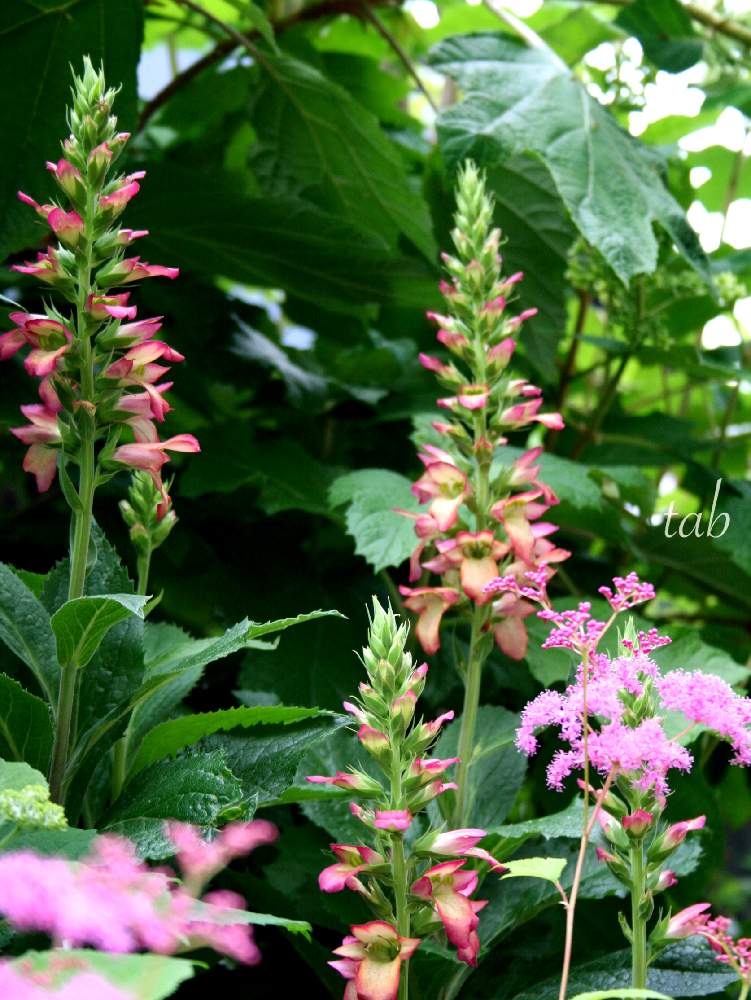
(81, 516)
(638, 924)
(746, 985)
(399, 869)
(473, 682)
(120, 749)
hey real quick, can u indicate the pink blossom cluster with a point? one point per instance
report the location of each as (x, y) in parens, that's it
(20, 981)
(99, 363)
(479, 525)
(627, 699)
(112, 901)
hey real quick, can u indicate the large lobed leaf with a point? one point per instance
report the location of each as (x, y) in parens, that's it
(518, 99)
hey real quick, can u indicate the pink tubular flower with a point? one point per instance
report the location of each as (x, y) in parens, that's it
(637, 822)
(687, 922)
(676, 833)
(352, 781)
(102, 306)
(40, 433)
(67, 225)
(392, 819)
(370, 958)
(353, 859)
(508, 626)
(463, 843)
(116, 200)
(448, 888)
(151, 456)
(67, 176)
(446, 487)
(133, 269)
(476, 554)
(430, 603)
(46, 267)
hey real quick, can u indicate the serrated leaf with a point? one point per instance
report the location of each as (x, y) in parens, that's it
(176, 734)
(142, 977)
(196, 788)
(265, 758)
(381, 536)
(257, 629)
(25, 725)
(25, 629)
(312, 133)
(549, 869)
(519, 99)
(80, 625)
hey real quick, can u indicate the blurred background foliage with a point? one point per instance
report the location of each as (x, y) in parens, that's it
(300, 159)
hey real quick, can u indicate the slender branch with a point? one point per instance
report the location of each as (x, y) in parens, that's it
(404, 59)
(722, 25)
(523, 31)
(571, 905)
(328, 8)
(182, 79)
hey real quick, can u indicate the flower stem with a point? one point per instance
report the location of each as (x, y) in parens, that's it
(473, 681)
(399, 868)
(746, 985)
(638, 924)
(81, 515)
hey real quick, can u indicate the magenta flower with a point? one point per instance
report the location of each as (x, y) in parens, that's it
(42, 433)
(710, 701)
(446, 487)
(687, 921)
(462, 843)
(371, 958)
(67, 176)
(392, 819)
(676, 833)
(116, 306)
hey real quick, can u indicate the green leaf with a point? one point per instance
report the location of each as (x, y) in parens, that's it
(80, 625)
(266, 757)
(143, 977)
(621, 995)
(53, 38)
(686, 969)
(170, 737)
(277, 242)
(69, 843)
(690, 652)
(313, 135)
(665, 31)
(169, 650)
(519, 99)
(25, 629)
(549, 869)
(25, 725)
(18, 774)
(196, 788)
(115, 672)
(230, 915)
(381, 536)
(498, 768)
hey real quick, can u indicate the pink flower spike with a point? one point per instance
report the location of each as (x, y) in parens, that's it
(392, 819)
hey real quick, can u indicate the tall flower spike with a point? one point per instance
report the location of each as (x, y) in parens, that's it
(99, 378)
(408, 892)
(485, 514)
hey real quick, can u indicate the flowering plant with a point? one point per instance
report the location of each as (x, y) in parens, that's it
(485, 515)
(416, 885)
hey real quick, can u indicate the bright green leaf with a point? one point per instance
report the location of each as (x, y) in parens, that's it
(80, 625)
(549, 869)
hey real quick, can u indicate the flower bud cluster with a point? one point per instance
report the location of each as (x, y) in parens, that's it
(485, 515)
(394, 884)
(101, 371)
(141, 514)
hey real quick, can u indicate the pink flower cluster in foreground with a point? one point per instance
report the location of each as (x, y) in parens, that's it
(114, 902)
(21, 982)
